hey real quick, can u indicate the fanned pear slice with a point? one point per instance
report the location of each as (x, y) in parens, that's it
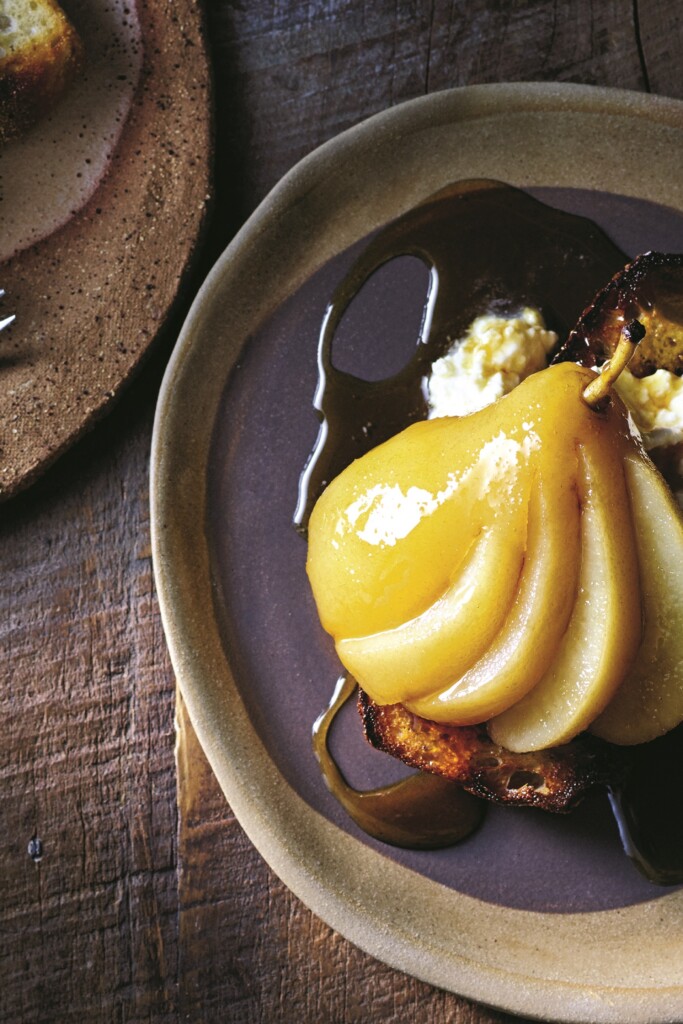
(388, 536)
(530, 637)
(416, 548)
(650, 700)
(423, 653)
(603, 635)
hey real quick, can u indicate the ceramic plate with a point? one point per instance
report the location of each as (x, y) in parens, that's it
(101, 205)
(539, 915)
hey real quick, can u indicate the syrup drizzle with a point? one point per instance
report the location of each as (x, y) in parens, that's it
(648, 807)
(421, 812)
(489, 248)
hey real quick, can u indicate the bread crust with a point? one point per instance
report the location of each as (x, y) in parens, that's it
(552, 780)
(34, 77)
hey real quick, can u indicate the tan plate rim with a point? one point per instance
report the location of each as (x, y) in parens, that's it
(622, 965)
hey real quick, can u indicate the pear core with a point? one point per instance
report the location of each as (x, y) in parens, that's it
(490, 567)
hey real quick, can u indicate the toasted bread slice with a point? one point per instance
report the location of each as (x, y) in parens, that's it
(40, 53)
(553, 780)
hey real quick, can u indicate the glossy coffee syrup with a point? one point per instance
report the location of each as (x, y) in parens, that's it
(648, 807)
(421, 812)
(490, 249)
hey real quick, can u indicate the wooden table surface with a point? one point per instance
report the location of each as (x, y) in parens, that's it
(128, 890)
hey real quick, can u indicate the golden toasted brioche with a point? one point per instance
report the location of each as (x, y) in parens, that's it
(553, 780)
(40, 52)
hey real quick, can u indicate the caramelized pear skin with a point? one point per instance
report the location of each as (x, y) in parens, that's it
(650, 290)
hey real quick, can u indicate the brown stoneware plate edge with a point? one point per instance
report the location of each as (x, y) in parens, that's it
(92, 297)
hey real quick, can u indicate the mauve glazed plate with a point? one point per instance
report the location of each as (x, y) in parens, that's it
(539, 915)
(101, 208)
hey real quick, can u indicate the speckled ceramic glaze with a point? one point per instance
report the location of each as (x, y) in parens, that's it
(540, 916)
(101, 205)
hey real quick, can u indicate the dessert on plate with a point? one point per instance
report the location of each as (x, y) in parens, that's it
(504, 578)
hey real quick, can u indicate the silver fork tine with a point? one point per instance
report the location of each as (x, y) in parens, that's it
(8, 319)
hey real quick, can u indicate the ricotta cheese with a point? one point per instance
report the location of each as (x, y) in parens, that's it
(656, 405)
(495, 355)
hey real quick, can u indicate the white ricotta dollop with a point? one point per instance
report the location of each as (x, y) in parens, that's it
(495, 355)
(656, 405)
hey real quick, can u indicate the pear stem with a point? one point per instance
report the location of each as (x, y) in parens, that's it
(598, 390)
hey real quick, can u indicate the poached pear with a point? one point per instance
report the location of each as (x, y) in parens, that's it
(522, 565)
(603, 634)
(650, 700)
(446, 562)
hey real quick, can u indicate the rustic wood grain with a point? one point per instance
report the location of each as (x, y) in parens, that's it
(143, 908)
(295, 74)
(659, 33)
(88, 775)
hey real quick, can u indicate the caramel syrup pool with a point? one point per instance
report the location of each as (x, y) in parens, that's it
(421, 812)
(489, 248)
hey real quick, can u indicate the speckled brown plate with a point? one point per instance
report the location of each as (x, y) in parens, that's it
(91, 296)
(537, 915)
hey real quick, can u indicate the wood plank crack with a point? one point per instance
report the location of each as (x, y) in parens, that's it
(640, 48)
